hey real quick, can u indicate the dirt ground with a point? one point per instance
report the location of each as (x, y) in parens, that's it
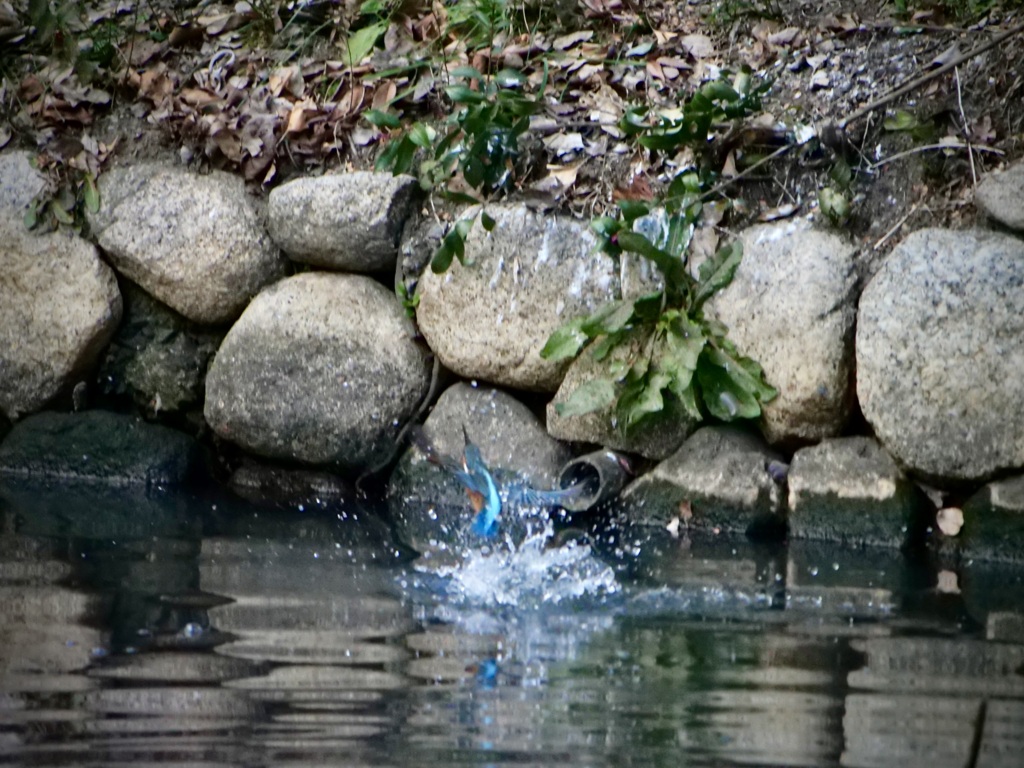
(208, 85)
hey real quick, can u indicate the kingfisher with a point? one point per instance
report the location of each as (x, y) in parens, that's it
(481, 488)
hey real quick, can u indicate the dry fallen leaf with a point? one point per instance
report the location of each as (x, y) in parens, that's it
(698, 46)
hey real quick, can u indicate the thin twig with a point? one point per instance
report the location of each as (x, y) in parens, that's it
(764, 160)
(895, 227)
(919, 81)
(967, 133)
(928, 148)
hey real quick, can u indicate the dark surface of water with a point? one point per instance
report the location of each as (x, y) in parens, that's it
(147, 629)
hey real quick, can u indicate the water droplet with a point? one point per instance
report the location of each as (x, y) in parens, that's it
(729, 403)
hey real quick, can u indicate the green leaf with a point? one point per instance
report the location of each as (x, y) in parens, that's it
(686, 394)
(724, 398)
(683, 343)
(835, 205)
(382, 119)
(733, 386)
(510, 78)
(841, 174)
(361, 42)
(405, 152)
(459, 197)
(90, 194)
(763, 391)
(633, 209)
(901, 121)
(648, 308)
(467, 73)
(31, 216)
(717, 272)
(422, 135)
(442, 258)
(487, 221)
(609, 318)
(566, 342)
(460, 94)
(606, 226)
(669, 265)
(602, 347)
(59, 213)
(720, 90)
(588, 397)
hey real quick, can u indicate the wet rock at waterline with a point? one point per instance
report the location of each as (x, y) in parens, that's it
(157, 357)
(320, 368)
(489, 319)
(195, 242)
(59, 306)
(791, 307)
(99, 446)
(717, 481)
(346, 221)
(429, 507)
(296, 488)
(993, 523)
(656, 440)
(1001, 196)
(940, 350)
(850, 490)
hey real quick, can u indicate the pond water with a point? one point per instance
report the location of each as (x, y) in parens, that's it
(141, 629)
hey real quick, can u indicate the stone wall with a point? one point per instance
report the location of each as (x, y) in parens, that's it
(275, 327)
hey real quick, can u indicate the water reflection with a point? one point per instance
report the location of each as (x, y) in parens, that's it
(145, 629)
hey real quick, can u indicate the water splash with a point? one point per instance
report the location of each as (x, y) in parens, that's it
(530, 573)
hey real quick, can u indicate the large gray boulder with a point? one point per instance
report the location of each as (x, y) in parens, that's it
(59, 306)
(718, 481)
(346, 221)
(940, 350)
(98, 446)
(489, 319)
(195, 242)
(850, 490)
(791, 307)
(428, 505)
(1001, 196)
(320, 368)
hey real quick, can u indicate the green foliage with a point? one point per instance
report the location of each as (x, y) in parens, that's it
(482, 136)
(481, 141)
(409, 301)
(834, 200)
(662, 344)
(692, 124)
(65, 203)
(479, 22)
(371, 23)
(672, 348)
